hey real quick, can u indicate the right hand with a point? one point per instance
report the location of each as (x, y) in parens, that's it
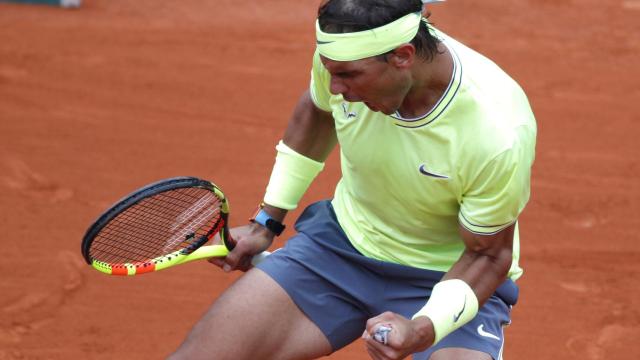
(405, 337)
(250, 239)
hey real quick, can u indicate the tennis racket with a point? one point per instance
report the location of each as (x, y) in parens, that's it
(161, 225)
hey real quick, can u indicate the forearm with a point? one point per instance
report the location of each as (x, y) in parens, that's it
(481, 268)
(310, 136)
(483, 272)
(308, 140)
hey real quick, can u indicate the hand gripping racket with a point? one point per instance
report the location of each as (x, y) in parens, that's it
(159, 226)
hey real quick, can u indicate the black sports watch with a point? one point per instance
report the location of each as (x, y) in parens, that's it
(261, 217)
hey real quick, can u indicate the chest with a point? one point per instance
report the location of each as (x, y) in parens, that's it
(409, 165)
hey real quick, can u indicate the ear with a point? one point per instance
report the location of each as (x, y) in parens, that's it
(403, 56)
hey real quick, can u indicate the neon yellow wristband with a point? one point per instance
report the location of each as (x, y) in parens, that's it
(451, 305)
(291, 176)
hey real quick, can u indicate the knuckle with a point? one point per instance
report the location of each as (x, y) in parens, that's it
(371, 322)
(232, 259)
(242, 245)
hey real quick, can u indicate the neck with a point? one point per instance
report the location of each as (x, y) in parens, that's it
(430, 81)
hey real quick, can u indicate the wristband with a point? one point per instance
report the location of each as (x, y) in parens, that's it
(452, 304)
(261, 217)
(291, 176)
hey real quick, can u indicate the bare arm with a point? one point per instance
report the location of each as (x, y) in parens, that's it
(485, 262)
(483, 265)
(310, 132)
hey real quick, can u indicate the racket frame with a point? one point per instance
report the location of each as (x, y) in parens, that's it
(193, 252)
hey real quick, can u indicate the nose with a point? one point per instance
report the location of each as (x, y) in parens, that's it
(337, 86)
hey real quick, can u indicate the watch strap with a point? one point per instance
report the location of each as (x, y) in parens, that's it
(264, 219)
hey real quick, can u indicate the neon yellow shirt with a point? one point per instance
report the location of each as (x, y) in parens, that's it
(407, 184)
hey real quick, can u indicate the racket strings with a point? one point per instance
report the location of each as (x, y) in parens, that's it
(158, 225)
(136, 240)
(128, 225)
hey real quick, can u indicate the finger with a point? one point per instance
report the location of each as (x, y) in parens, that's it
(245, 263)
(219, 262)
(381, 348)
(385, 317)
(373, 351)
(381, 351)
(381, 333)
(373, 355)
(378, 331)
(371, 341)
(231, 260)
(240, 257)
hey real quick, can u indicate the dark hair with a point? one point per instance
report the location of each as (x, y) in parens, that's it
(344, 16)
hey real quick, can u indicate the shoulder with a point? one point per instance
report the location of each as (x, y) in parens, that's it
(319, 84)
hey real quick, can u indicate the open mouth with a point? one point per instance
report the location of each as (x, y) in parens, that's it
(351, 98)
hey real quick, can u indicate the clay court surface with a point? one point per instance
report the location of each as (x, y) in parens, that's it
(98, 101)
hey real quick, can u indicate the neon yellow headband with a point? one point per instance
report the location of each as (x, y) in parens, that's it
(362, 44)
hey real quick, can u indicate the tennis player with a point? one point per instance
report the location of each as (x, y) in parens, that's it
(418, 250)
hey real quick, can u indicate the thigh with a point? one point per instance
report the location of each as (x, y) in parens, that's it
(459, 354)
(328, 288)
(254, 319)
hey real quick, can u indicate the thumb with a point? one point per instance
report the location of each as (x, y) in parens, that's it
(234, 257)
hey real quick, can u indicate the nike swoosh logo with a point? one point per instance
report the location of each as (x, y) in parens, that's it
(486, 334)
(425, 172)
(323, 42)
(457, 317)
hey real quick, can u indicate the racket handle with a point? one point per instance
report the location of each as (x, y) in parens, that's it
(206, 252)
(257, 259)
(230, 244)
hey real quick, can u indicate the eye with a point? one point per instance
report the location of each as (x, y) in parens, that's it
(346, 74)
(343, 75)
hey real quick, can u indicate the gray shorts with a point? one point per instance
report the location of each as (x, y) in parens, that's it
(339, 289)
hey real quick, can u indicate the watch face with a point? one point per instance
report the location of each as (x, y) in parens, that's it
(260, 207)
(262, 218)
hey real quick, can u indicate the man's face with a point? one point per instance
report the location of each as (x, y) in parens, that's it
(379, 84)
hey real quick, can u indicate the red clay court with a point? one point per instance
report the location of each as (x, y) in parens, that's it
(98, 101)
